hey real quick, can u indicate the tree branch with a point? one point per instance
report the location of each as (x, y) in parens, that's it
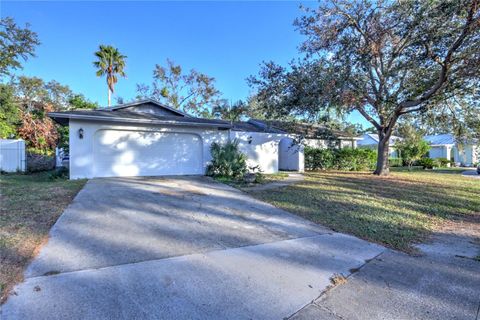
(470, 21)
(368, 117)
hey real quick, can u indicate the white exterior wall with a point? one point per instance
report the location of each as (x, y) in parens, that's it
(263, 149)
(82, 154)
(467, 156)
(12, 155)
(291, 156)
(438, 152)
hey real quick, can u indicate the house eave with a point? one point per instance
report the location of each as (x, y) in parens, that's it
(56, 116)
(443, 145)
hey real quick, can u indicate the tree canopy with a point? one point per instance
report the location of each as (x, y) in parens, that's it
(231, 111)
(192, 92)
(24, 104)
(384, 59)
(16, 44)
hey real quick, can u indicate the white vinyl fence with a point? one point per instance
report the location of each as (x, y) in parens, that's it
(12, 155)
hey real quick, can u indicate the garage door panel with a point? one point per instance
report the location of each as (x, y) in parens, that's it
(141, 153)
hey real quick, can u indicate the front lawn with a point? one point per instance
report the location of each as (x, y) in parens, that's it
(266, 178)
(29, 206)
(396, 211)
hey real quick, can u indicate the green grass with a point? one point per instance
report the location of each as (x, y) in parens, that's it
(396, 211)
(30, 205)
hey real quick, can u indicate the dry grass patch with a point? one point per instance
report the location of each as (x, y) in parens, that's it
(396, 211)
(29, 206)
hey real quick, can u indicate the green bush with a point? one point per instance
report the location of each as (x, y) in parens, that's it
(395, 162)
(428, 163)
(443, 162)
(341, 159)
(318, 159)
(227, 161)
(59, 173)
(355, 159)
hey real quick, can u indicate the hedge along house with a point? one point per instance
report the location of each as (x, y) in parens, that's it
(147, 138)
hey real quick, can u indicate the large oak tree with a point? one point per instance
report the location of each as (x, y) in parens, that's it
(385, 59)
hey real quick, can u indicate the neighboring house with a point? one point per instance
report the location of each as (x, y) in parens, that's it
(147, 138)
(370, 140)
(446, 146)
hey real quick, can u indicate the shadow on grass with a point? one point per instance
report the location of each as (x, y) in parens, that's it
(396, 211)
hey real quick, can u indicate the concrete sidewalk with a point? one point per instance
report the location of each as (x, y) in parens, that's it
(471, 174)
(443, 282)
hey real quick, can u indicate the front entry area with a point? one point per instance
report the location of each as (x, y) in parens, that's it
(123, 153)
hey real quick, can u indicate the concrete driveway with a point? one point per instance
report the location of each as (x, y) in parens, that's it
(180, 248)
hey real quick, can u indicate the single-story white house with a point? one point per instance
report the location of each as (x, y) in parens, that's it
(446, 146)
(147, 138)
(370, 140)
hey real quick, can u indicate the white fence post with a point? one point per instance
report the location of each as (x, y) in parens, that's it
(12, 155)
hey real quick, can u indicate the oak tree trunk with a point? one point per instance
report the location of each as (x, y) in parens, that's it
(383, 168)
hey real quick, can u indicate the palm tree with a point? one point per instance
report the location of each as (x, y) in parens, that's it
(110, 63)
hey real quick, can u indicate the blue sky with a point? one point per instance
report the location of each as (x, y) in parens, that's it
(226, 40)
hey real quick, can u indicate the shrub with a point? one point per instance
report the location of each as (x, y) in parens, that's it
(318, 159)
(39, 162)
(412, 149)
(342, 159)
(395, 162)
(355, 159)
(227, 161)
(258, 174)
(443, 162)
(428, 163)
(58, 173)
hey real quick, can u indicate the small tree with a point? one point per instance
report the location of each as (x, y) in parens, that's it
(38, 130)
(9, 112)
(412, 149)
(192, 92)
(230, 112)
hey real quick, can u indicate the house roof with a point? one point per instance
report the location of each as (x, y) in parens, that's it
(308, 130)
(135, 117)
(440, 139)
(251, 126)
(375, 138)
(145, 101)
(124, 113)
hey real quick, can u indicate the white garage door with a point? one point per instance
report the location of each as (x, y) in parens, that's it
(119, 153)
